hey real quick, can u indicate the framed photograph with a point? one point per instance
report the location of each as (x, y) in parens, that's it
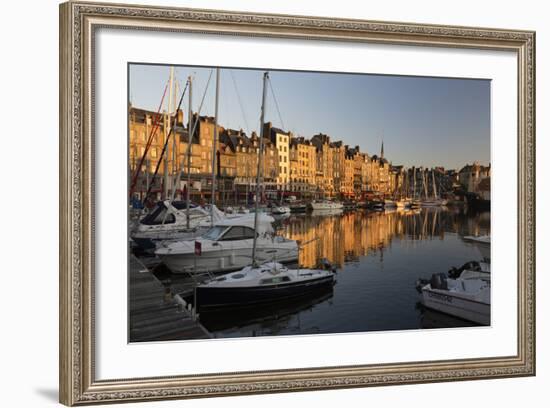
(255, 203)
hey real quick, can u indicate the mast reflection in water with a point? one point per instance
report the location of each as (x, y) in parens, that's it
(379, 256)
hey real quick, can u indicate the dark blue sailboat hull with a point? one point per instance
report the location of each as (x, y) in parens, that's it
(216, 297)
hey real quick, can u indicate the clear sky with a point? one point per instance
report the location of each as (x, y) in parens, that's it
(423, 121)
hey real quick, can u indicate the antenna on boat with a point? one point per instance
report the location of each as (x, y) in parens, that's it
(259, 169)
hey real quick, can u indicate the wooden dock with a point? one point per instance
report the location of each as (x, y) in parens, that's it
(155, 314)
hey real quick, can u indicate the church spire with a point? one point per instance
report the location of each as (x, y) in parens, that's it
(382, 150)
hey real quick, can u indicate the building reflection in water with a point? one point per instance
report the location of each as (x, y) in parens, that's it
(344, 237)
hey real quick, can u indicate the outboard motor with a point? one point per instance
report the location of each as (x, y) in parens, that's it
(439, 281)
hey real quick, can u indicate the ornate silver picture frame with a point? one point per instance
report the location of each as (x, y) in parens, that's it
(79, 23)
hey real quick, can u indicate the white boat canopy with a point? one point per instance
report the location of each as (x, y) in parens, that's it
(247, 220)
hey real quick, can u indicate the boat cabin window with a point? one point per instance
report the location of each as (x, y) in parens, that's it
(277, 279)
(158, 216)
(237, 233)
(214, 233)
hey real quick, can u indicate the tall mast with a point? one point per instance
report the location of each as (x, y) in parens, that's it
(214, 145)
(414, 183)
(146, 158)
(425, 183)
(147, 174)
(167, 125)
(174, 142)
(189, 143)
(259, 169)
(165, 159)
(434, 186)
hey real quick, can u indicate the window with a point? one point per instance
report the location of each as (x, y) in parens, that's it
(154, 153)
(159, 216)
(277, 279)
(214, 233)
(238, 233)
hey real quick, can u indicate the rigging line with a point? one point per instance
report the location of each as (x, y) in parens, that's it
(276, 104)
(149, 141)
(189, 140)
(163, 150)
(240, 101)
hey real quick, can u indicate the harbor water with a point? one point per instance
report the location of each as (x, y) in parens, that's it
(379, 257)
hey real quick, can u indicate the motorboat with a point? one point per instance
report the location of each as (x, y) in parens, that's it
(482, 243)
(376, 205)
(326, 213)
(349, 205)
(466, 298)
(298, 207)
(261, 284)
(403, 203)
(280, 209)
(390, 203)
(436, 202)
(168, 221)
(325, 205)
(416, 203)
(228, 246)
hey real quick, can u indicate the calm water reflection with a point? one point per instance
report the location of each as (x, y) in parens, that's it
(380, 255)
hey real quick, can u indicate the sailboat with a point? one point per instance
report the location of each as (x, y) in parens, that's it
(174, 220)
(231, 243)
(415, 202)
(435, 201)
(260, 283)
(280, 209)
